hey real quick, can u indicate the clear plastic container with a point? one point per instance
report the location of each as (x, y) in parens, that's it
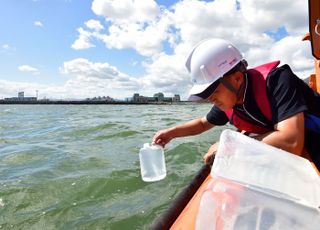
(228, 205)
(257, 186)
(152, 163)
(250, 162)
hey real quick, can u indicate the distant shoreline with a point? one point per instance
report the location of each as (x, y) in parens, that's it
(90, 103)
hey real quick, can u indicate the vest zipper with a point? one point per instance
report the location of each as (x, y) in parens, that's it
(245, 90)
(253, 116)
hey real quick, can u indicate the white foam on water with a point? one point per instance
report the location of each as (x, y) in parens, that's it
(1, 203)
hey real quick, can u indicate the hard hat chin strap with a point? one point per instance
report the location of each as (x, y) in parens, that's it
(229, 86)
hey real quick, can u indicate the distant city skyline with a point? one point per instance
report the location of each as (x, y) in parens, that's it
(78, 49)
(21, 94)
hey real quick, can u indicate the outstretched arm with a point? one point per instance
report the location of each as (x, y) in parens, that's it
(190, 128)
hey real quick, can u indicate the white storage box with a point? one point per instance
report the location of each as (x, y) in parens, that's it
(257, 186)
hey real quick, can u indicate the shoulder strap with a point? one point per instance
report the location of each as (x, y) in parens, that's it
(259, 75)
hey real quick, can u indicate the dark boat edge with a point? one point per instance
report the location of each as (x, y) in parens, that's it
(166, 220)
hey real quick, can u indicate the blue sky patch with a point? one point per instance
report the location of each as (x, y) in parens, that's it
(277, 34)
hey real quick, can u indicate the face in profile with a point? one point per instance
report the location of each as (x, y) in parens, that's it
(224, 98)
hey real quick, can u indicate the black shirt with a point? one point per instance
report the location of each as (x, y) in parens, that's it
(287, 94)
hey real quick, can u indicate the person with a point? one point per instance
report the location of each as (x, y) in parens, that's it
(269, 101)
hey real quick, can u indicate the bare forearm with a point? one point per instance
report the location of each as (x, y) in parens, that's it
(282, 141)
(193, 127)
(190, 128)
(288, 134)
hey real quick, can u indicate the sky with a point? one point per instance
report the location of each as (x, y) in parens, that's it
(76, 49)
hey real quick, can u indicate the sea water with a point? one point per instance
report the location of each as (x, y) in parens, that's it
(77, 166)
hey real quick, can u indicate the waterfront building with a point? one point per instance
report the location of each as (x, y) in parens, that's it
(176, 98)
(21, 94)
(21, 97)
(99, 98)
(158, 97)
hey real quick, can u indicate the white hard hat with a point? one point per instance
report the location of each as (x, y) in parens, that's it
(210, 60)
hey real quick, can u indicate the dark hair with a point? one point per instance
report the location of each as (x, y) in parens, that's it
(241, 67)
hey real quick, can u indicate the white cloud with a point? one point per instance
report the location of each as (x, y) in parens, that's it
(75, 88)
(7, 49)
(197, 20)
(11, 89)
(94, 24)
(124, 11)
(86, 76)
(291, 50)
(86, 79)
(5, 46)
(190, 21)
(167, 74)
(27, 68)
(83, 41)
(265, 15)
(136, 24)
(147, 41)
(81, 67)
(38, 23)
(145, 26)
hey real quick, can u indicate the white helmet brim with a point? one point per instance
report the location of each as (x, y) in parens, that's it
(199, 88)
(194, 98)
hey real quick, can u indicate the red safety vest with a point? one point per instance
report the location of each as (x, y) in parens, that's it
(259, 87)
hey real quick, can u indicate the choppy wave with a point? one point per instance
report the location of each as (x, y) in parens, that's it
(77, 167)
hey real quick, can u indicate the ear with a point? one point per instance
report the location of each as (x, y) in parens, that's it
(238, 78)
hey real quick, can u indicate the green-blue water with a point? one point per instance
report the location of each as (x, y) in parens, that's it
(77, 166)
